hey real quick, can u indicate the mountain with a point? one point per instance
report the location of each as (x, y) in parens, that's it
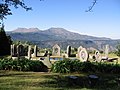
(62, 37)
(67, 35)
(25, 30)
(34, 34)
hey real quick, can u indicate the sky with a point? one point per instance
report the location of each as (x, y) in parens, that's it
(103, 21)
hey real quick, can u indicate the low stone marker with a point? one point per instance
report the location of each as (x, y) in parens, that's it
(93, 80)
(47, 62)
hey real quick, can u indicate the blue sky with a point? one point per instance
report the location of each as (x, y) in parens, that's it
(104, 21)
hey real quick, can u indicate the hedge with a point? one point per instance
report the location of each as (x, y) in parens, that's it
(69, 66)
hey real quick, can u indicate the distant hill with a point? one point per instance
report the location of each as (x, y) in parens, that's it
(47, 38)
(25, 30)
(49, 34)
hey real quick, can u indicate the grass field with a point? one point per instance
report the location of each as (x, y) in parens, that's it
(12, 80)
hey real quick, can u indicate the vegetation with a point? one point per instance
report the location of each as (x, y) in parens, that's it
(108, 75)
(5, 42)
(22, 64)
(6, 10)
(70, 66)
(63, 40)
(5, 7)
(52, 81)
(118, 50)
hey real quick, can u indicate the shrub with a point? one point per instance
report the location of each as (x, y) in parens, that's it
(66, 66)
(22, 64)
(69, 66)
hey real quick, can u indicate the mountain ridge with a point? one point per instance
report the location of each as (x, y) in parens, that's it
(25, 30)
(57, 33)
(47, 38)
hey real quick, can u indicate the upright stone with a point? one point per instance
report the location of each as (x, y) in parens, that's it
(17, 51)
(106, 50)
(20, 50)
(35, 51)
(78, 51)
(56, 50)
(83, 55)
(29, 52)
(97, 56)
(68, 51)
(12, 51)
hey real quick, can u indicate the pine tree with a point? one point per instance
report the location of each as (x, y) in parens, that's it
(5, 42)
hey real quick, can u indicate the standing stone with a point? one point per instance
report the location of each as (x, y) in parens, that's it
(56, 50)
(78, 51)
(97, 56)
(68, 51)
(29, 52)
(83, 55)
(17, 51)
(13, 50)
(20, 50)
(106, 50)
(35, 51)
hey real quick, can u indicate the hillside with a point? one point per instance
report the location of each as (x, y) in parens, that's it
(25, 30)
(47, 38)
(34, 34)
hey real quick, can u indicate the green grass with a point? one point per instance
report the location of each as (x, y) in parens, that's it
(12, 80)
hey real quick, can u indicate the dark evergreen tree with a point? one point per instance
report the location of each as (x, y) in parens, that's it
(5, 42)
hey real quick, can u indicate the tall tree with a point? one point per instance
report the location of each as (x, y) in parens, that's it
(5, 42)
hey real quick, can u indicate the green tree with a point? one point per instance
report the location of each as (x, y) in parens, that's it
(5, 42)
(5, 6)
(118, 50)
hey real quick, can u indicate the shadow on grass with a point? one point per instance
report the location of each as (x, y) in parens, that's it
(81, 82)
(60, 81)
(12, 73)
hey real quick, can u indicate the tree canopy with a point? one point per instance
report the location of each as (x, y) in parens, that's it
(5, 7)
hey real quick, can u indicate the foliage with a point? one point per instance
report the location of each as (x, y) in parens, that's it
(22, 64)
(16, 42)
(118, 50)
(5, 7)
(5, 42)
(69, 66)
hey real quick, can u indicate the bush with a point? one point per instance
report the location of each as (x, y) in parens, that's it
(69, 66)
(22, 64)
